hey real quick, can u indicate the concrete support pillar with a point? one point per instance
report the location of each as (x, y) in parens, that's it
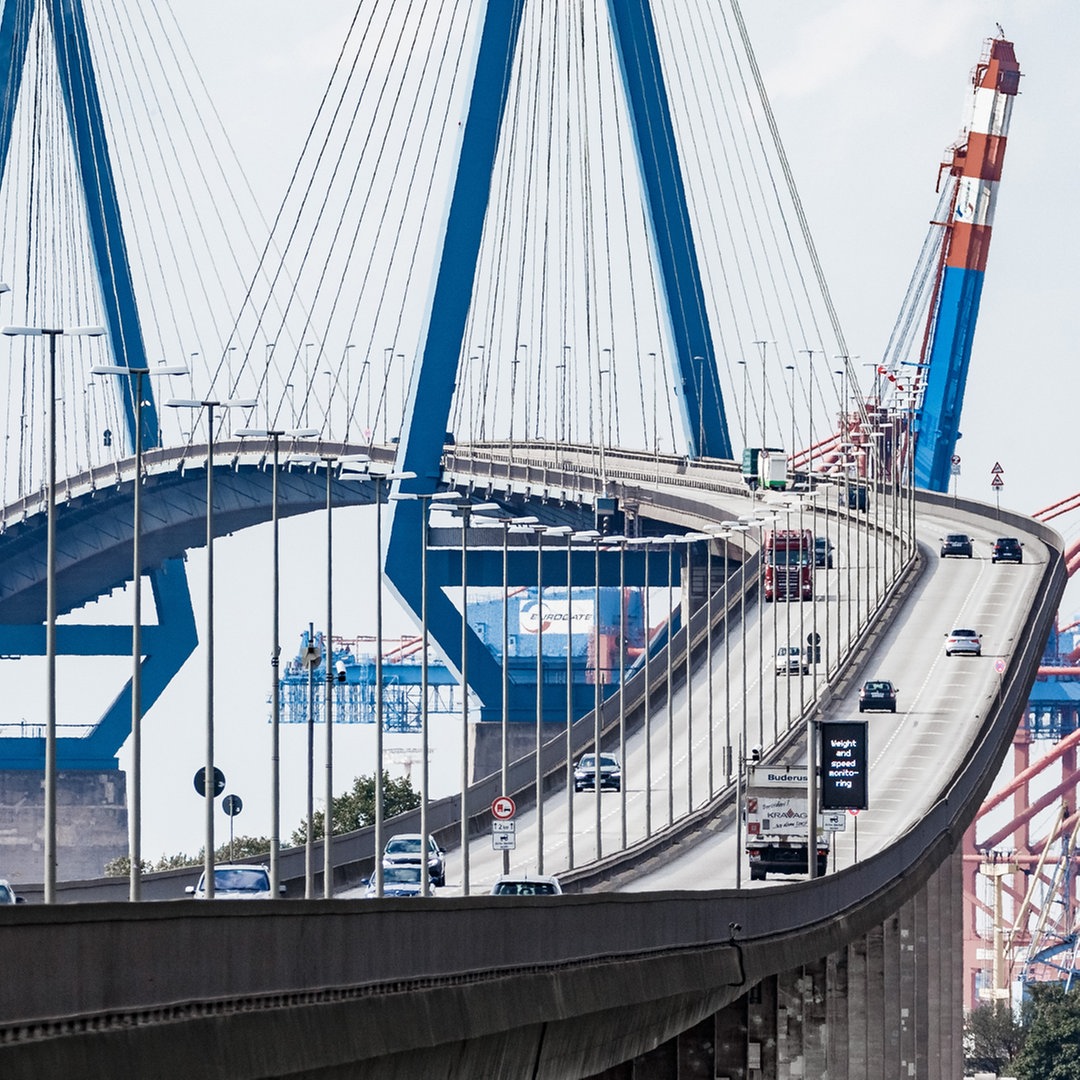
(761, 1030)
(907, 990)
(887, 1007)
(695, 1051)
(877, 1005)
(857, 1002)
(730, 1040)
(891, 957)
(837, 1020)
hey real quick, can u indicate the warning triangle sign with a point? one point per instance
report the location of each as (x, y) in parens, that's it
(997, 468)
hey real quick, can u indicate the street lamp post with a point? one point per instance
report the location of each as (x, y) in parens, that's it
(209, 404)
(690, 539)
(645, 542)
(621, 541)
(591, 536)
(504, 772)
(758, 523)
(794, 437)
(275, 649)
(598, 693)
(569, 701)
(312, 657)
(330, 460)
(52, 333)
(135, 829)
(540, 530)
(465, 512)
(670, 541)
(379, 479)
(425, 499)
(810, 407)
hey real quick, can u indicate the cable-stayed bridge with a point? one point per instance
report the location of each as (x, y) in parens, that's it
(610, 327)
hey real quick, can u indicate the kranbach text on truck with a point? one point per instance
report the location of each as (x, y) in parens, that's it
(776, 823)
(788, 564)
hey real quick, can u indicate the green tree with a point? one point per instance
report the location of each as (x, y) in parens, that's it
(356, 808)
(1051, 1050)
(992, 1037)
(244, 848)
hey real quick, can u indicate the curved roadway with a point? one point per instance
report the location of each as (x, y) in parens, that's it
(479, 986)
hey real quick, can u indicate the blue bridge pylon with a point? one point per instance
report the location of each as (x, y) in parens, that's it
(683, 296)
(172, 640)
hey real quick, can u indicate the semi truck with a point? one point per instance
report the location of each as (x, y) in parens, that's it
(765, 467)
(788, 564)
(776, 823)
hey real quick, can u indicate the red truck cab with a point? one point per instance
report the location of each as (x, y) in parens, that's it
(788, 558)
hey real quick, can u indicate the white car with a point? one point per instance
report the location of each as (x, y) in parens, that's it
(526, 885)
(236, 881)
(963, 641)
(7, 894)
(403, 849)
(790, 660)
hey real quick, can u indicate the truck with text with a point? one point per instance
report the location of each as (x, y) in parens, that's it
(765, 467)
(788, 564)
(777, 815)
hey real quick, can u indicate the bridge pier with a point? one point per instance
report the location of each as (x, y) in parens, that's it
(92, 823)
(887, 1007)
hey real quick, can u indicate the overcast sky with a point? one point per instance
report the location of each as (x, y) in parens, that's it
(868, 96)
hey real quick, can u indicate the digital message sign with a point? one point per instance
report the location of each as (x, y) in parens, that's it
(843, 765)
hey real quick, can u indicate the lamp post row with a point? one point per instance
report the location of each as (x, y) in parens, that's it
(210, 405)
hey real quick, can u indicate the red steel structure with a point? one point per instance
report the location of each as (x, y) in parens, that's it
(1021, 880)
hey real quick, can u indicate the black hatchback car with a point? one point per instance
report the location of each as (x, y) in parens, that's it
(1007, 549)
(958, 544)
(878, 694)
(823, 552)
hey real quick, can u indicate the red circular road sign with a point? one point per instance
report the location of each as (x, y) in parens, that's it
(956, 459)
(999, 665)
(503, 808)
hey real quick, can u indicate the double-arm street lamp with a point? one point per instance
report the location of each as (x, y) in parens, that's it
(52, 333)
(135, 811)
(465, 512)
(209, 404)
(274, 435)
(380, 478)
(425, 499)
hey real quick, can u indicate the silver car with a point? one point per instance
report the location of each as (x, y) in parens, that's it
(963, 641)
(236, 881)
(790, 660)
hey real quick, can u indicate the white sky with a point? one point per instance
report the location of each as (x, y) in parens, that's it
(868, 96)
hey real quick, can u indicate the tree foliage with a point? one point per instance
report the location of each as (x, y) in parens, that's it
(1051, 1049)
(992, 1037)
(244, 848)
(356, 808)
(353, 810)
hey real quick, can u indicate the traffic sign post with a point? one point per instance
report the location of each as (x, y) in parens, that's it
(200, 782)
(503, 835)
(503, 830)
(232, 805)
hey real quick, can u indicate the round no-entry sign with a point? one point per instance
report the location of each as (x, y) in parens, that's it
(503, 808)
